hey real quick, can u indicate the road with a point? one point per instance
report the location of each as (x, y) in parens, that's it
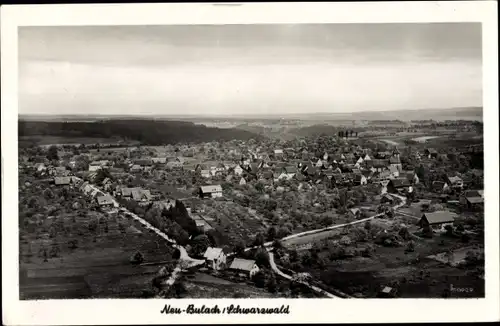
(331, 227)
(302, 234)
(184, 260)
(312, 287)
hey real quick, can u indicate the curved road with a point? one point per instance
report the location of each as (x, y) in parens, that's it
(184, 260)
(301, 234)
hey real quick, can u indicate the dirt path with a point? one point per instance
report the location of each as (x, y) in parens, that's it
(306, 233)
(312, 287)
(184, 260)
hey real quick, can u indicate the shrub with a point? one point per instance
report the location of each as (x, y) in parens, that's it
(410, 247)
(137, 258)
(73, 244)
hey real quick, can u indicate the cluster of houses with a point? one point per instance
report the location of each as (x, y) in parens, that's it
(216, 259)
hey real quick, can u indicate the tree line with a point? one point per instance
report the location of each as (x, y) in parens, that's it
(149, 132)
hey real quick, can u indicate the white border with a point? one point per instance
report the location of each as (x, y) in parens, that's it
(58, 312)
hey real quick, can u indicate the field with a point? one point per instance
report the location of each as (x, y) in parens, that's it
(233, 220)
(207, 286)
(97, 267)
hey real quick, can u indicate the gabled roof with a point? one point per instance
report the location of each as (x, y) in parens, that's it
(472, 193)
(290, 169)
(399, 182)
(454, 179)
(212, 253)
(394, 160)
(140, 194)
(242, 264)
(62, 180)
(439, 217)
(438, 184)
(211, 188)
(475, 200)
(105, 200)
(126, 192)
(393, 169)
(377, 163)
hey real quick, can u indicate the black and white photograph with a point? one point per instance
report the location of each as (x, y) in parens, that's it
(252, 161)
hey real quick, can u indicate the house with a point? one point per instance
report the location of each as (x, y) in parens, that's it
(141, 195)
(439, 186)
(379, 165)
(211, 191)
(174, 165)
(125, 192)
(201, 224)
(105, 201)
(386, 198)
(136, 168)
(394, 161)
(359, 179)
(278, 153)
(94, 166)
(159, 160)
(319, 163)
(215, 258)
(244, 267)
(387, 292)
(455, 182)
(431, 153)
(411, 176)
(397, 185)
(436, 220)
(59, 171)
(40, 167)
(290, 171)
(205, 173)
(354, 212)
(393, 171)
(242, 181)
(62, 181)
(472, 198)
(238, 170)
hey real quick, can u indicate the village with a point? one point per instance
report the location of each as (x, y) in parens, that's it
(326, 216)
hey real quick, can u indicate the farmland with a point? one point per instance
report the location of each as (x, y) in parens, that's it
(86, 254)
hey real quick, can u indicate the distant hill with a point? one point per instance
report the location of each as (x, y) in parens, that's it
(463, 113)
(149, 132)
(314, 130)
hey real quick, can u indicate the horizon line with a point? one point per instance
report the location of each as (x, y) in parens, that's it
(243, 114)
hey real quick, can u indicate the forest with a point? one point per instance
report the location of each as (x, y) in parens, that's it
(148, 132)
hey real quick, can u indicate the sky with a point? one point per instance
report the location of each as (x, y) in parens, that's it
(242, 69)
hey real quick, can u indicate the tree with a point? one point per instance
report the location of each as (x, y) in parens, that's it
(259, 279)
(259, 240)
(262, 257)
(239, 247)
(137, 258)
(271, 233)
(200, 244)
(73, 244)
(52, 153)
(271, 284)
(283, 232)
(54, 251)
(410, 247)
